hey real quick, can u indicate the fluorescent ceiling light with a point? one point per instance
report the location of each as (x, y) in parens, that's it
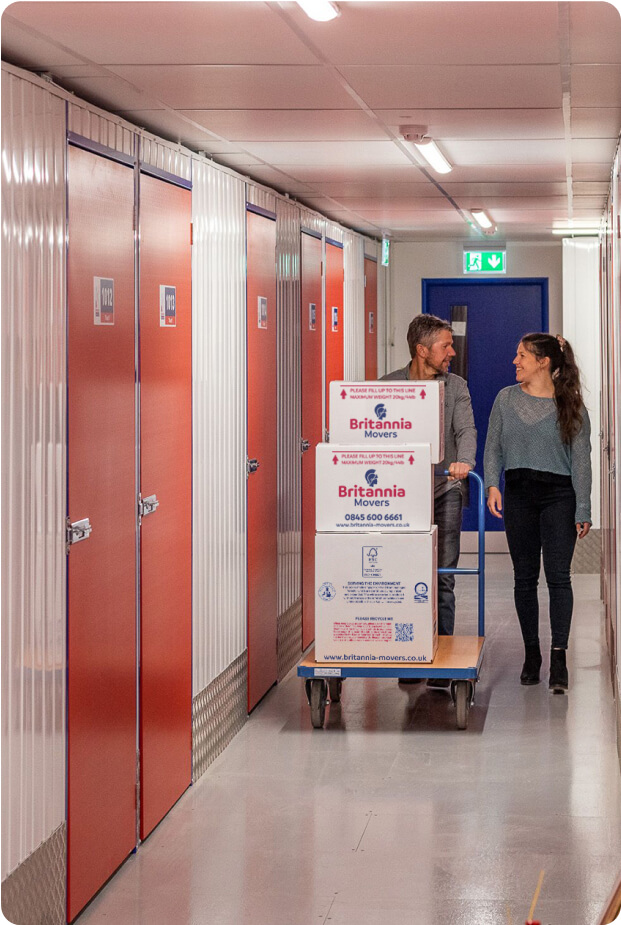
(591, 232)
(481, 218)
(320, 10)
(432, 154)
(576, 226)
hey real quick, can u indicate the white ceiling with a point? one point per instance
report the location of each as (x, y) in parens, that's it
(524, 98)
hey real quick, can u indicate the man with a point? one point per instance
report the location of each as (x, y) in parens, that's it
(431, 347)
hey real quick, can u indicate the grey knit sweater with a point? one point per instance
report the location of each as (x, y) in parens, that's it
(523, 433)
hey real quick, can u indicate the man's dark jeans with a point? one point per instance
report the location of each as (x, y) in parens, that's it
(540, 516)
(447, 510)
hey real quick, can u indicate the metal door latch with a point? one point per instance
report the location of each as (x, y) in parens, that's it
(148, 505)
(327, 436)
(251, 466)
(305, 445)
(77, 531)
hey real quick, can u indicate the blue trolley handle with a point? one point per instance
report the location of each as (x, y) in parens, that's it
(480, 571)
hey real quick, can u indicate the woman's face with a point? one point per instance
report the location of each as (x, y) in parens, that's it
(527, 366)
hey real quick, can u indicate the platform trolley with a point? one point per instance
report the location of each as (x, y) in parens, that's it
(458, 658)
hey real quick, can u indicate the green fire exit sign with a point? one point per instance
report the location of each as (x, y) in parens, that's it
(485, 261)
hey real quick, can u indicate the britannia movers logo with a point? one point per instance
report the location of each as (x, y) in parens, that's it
(380, 427)
(361, 494)
(371, 477)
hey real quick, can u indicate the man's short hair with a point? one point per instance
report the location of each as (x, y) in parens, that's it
(424, 329)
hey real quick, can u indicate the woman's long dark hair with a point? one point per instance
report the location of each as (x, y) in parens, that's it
(566, 378)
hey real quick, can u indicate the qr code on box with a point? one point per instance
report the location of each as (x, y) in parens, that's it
(404, 632)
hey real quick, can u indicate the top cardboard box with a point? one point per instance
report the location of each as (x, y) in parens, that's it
(391, 413)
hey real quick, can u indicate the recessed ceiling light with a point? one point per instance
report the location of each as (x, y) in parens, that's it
(481, 218)
(320, 10)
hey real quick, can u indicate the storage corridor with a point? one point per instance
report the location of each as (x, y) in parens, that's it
(390, 815)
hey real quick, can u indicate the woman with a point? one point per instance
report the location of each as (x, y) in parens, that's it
(539, 433)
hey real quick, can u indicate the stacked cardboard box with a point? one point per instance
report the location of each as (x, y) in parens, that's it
(376, 547)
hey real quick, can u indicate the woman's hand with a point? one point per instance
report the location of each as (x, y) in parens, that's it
(494, 502)
(583, 529)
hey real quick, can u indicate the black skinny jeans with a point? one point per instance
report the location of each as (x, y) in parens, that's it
(540, 515)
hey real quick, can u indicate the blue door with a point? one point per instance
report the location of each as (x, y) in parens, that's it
(490, 317)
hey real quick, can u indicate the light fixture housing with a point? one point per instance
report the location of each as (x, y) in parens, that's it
(482, 218)
(577, 232)
(577, 226)
(320, 10)
(425, 145)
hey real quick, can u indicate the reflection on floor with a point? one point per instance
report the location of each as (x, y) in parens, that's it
(390, 815)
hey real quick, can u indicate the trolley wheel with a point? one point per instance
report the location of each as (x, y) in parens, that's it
(335, 686)
(318, 699)
(463, 698)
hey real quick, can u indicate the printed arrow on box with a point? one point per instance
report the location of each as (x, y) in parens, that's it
(423, 393)
(343, 394)
(411, 460)
(335, 460)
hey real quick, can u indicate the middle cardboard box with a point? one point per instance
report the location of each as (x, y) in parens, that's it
(364, 489)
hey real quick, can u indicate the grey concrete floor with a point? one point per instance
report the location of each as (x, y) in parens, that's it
(390, 815)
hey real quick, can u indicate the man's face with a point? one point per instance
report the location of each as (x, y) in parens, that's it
(440, 354)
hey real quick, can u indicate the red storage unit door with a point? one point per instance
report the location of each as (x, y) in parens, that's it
(312, 385)
(101, 654)
(166, 472)
(370, 317)
(333, 320)
(262, 446)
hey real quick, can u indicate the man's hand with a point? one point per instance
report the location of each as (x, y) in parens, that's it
(494, 502)
(583, 529)
(458, 471)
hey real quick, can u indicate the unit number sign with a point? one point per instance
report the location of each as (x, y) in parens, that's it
(103, 300)
(168, 306)
(262, 311)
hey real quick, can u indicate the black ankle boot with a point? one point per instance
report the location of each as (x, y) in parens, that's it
(559, 680)
(532, 664)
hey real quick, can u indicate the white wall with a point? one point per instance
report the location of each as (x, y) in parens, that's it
(412, 262)
(581, 327)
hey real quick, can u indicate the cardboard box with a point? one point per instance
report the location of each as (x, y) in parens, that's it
(389, 413)
(367, 489)
(376, 598)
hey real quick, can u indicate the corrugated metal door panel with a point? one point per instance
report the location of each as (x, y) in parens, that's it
(262, 445)
(370, 314)
(313, 221)
(165, 156)
(219, 421)
(289, 405)
(99, 126)
(33, 460)
(102, 569)
(333, 322)
(261, 197)
(165, 471)
(311, 334)
(353, 312)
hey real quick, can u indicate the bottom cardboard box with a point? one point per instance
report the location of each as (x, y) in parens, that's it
(376, 597)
